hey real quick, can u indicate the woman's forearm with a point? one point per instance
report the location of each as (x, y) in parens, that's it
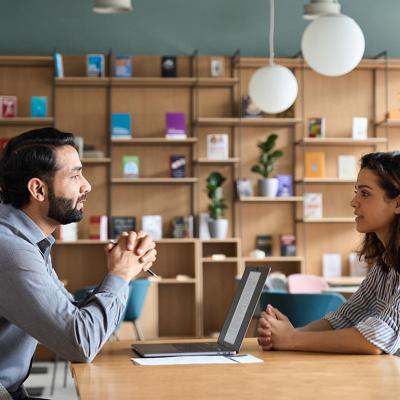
(319, 325)
(348, 340)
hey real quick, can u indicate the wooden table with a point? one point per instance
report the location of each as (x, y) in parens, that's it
(282, 375)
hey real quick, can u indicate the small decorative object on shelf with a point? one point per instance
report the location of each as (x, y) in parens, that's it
(266, 163)
(217, 225)
(130, 166)
(285, 186)
(177, 164)
(218, 146)
(183, 227)
(58, 65)
(347, 167)
(264, 243)
(244, 187)
(331, 265)
(312, 205)
(175, 125)
(314, 164)
(3, 143)
(122, 224)
(169, 68)
(357, 267)
(152, 225)
(217, 67)
(288, 244)
(316, 127)
(79, 143)
(67, 232)
(201, 226)
(90, 151)
(38, 106)
(8, 106)
(123, 66)
(257, 253)
(95, 65)
(98, 227)
(360, 128)
(249, 109)
(121, 127)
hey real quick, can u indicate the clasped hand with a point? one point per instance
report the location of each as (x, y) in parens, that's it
(275, 331)
(133, 253)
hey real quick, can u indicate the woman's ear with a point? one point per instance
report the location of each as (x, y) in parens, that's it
(397, 209)
(37, 189)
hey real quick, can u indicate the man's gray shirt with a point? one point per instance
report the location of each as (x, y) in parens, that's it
(35, 306)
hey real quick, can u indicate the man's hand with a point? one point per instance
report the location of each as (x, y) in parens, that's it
(275, 330)
(132, 253)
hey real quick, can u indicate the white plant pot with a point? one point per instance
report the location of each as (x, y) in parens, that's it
(218, 228)
(268, 187)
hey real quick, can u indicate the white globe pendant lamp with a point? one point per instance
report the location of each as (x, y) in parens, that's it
(273, 88)
(333, 44)
(112, 6)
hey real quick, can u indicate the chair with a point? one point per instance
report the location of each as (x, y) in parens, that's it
(303, 283)
(302, 308)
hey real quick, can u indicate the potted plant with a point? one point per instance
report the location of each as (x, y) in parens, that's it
(217, 224)
(267, 186)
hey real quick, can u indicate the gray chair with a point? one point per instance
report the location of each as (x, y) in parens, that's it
(4, 395)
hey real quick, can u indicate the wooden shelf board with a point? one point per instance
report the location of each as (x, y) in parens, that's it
(207, 161)
(389, 123)
(273, 259)
(174, 281)
(217, 82)
(153, 81)
(27, 61)
(26, 121)
(81, 242)
(341, 141)
(328, 220)
(327, 181)
(176, 241)
(153, 140)
(104, 160)
(153, 180)
(228, 240)
(247, 121)
(261, 199)
(225, 260)
(82, 81)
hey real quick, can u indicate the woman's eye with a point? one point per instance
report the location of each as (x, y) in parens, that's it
(364, 194)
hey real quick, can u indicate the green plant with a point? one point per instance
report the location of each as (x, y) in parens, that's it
(268, 156)
(217, 204)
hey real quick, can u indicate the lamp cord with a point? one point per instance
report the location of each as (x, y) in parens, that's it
(271, 31)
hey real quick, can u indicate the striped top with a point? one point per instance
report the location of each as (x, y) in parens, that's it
(374, 310)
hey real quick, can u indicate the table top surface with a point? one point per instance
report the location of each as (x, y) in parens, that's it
(282, 375)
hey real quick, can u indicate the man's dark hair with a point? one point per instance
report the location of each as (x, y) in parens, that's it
(29, 155)
(386, 166)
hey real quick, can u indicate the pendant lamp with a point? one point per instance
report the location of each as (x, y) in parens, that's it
(112, 6)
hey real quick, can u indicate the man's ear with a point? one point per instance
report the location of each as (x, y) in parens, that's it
(37, 189)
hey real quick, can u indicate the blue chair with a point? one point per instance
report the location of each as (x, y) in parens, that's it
(302, 308)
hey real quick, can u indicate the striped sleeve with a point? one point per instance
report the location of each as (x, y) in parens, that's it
(358, 307)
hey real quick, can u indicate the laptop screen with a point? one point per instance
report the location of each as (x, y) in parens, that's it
(243, 306)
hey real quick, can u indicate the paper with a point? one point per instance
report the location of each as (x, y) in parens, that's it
(182, 360)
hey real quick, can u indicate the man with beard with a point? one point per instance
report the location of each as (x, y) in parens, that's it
(42, 186)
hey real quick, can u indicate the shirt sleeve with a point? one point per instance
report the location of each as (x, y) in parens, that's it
(358, 306)
(31, 299)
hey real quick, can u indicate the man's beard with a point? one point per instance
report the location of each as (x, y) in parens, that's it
(62, 210)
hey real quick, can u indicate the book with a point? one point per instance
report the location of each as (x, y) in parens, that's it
(347, 167)
(58, 65)
(175, 125)
(123, 66)
(67, 232)
(218, 146)
(152, 225)
(201, 226)
(217, 67)
(177, 164)
(169, 67)
(122, 224)
(359, 129)
(312, 205)
(182, 227)
(8, 106)
(288, 244)
(316, 127)
(93, 154)
(264, 243)
(331, 265)
(95, 66)
(249, 109)
(38, 106)
(130, 166)
(285, 186)
(121, 126)
(314, 164)
(80, 145)
(244, 187)
(98, 227)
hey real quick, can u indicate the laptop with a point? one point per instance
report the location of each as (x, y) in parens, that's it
(234, 329)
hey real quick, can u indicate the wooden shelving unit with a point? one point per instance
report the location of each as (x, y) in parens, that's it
(154, 141)
(153, 180)
(261, 199)
(331, 141)
(26, 121)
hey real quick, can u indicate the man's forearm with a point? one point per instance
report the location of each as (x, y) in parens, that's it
(319, 325)
(348, 340)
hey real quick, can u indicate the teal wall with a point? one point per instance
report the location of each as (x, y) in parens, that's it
(180, 26)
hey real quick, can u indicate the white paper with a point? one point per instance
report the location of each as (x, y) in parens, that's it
(184, 360)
